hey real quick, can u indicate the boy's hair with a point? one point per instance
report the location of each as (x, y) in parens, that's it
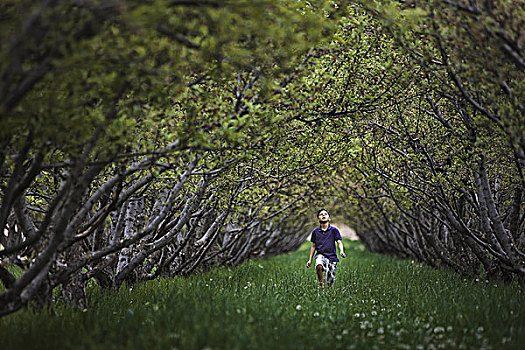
(320, 210)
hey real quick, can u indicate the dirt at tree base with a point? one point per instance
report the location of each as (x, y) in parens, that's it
(346, 231)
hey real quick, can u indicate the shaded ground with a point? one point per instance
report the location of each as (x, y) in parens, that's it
(379, 302)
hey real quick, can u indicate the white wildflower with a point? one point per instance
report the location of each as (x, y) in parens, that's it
(439, 329)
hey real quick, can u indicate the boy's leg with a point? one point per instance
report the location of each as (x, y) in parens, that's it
(330, 273)
(319, 269)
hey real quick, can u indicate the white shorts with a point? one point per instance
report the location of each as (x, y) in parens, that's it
(328, 266)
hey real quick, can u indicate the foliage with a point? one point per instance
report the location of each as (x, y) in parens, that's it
(153, 139)
(429, 134)
(133, 138)
(66, 64)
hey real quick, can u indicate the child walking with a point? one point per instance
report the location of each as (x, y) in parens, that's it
(323, 240)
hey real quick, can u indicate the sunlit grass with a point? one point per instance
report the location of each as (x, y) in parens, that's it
(378, 302)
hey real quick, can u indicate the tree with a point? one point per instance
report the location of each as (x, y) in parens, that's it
(439, 175)
(120, 146)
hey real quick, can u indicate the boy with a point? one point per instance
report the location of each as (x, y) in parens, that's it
(323, 240)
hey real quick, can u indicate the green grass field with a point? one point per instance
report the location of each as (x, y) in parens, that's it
(378, 303)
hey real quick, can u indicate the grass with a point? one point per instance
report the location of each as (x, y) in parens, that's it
(379, 302)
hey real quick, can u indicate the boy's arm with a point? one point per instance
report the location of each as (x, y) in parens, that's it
(341, 248)
(312, 251)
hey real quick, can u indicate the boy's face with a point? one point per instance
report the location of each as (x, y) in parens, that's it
(323, 217)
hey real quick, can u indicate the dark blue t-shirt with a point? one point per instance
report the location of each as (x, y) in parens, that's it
(325, 241)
